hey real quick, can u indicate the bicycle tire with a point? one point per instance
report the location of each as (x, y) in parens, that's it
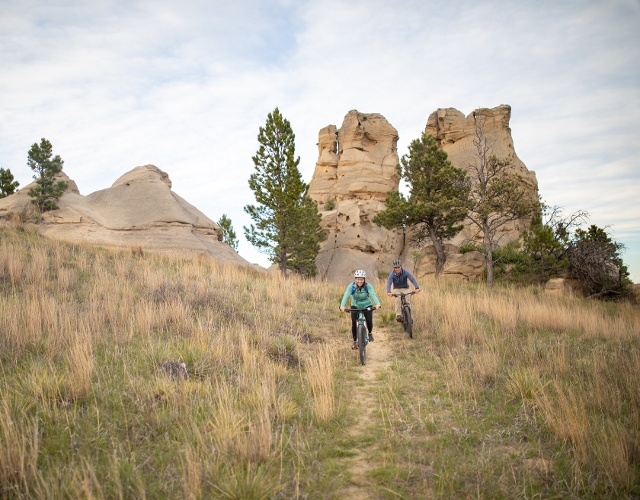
(408, 321)
(362, 343)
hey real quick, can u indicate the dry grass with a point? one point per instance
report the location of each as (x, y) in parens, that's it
(84, 410)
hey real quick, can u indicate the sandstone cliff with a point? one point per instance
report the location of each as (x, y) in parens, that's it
(455, 134)
(138, 211)
(356, 169)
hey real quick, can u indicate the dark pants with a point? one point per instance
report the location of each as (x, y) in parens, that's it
(368, 317)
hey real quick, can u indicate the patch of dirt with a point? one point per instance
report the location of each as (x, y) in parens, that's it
(379, 356)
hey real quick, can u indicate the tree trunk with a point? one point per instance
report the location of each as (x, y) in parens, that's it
(441, 256)
(488, 257)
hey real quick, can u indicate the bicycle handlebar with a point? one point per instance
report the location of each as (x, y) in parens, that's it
(351, 309)
(401, 294)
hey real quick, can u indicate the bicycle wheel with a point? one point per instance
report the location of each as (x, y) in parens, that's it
(408, 322)
(362, 343)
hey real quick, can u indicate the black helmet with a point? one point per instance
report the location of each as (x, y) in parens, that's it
(397, 263)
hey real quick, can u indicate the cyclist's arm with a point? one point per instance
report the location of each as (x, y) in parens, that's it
(414, 281)
(345, 298)
(389, 281)
(373, 296)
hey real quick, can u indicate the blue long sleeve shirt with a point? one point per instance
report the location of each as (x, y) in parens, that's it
(401, 281)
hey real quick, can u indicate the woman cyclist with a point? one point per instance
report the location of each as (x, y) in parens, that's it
(362, 296)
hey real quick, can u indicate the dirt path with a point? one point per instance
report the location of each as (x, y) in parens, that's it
(379, 356)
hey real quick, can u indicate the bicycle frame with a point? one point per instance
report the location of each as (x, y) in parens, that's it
(407, 319)
(362, 334)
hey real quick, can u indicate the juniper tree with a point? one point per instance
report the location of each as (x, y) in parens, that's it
(47, 191)
(438, 198)
(228, 234)
(498, 196)
(7, 184)
(286, 222)
(595, 261)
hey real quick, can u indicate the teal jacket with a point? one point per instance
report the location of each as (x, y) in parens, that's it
(360, 299)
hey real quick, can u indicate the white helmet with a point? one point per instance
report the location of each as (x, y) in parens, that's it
(360, 274)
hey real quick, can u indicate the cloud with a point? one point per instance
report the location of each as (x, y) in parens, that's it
(186, 87)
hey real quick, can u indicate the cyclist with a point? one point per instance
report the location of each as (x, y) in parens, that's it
(400, 278)
(362, 296)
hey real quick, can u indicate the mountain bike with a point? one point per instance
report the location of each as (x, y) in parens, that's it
(362, 334)
(407, 319)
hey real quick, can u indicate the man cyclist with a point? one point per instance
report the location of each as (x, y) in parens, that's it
(400, 278)
(361, 294)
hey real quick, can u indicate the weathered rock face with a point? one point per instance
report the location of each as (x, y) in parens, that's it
(139, 210)
(356, 169)
(455, 134)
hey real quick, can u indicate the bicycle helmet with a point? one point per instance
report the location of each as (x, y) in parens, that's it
(360, 274)
(397, 263)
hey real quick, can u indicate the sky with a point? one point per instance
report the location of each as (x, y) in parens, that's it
(186, 85)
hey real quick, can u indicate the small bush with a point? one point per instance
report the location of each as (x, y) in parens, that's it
(470, 246)
(329, 205)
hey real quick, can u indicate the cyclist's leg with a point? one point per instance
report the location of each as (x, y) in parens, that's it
(354, 330)
(368, 317)
(398, 305)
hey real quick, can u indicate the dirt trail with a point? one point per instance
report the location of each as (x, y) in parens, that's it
(379, 356)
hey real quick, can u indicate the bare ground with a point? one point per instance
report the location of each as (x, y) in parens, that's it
(379, 355)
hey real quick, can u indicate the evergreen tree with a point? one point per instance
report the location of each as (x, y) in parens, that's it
(547, 240)
(7, 184)
(498, 196)
(229, 235)
(595, 261)
(47, 191)
(286, 223)
(438, 199)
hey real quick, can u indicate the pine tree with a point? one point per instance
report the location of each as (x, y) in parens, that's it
(7, 184)
(229, 235)
(47, 191)
(286, 223)
(438, 199)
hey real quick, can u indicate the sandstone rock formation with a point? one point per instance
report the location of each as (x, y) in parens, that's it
(356, 169)
(138, 211)
(455, 134)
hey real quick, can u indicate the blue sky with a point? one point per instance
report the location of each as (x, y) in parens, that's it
(186, 85)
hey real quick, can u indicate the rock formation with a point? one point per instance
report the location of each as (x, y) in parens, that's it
(356, 169)
(455, 134)
(139, 211)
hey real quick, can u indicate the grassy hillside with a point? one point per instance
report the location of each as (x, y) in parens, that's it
(503, 393)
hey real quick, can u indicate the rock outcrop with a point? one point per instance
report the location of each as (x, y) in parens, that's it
(138, 211)
(356, 169)
(455, 134)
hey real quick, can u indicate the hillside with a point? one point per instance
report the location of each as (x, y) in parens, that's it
(502, 393)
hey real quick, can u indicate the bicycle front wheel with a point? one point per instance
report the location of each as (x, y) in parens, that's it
(362, 343)
(408, 322)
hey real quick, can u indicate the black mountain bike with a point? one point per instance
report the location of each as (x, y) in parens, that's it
(362, 334)
(407, 319)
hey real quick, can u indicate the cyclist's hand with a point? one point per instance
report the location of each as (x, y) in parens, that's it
(342, 309)
(389, 294)
(378, 306)
(417, 290)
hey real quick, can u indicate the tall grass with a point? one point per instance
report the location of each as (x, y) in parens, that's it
(501, 393)
(87, 412)
(513, 362)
